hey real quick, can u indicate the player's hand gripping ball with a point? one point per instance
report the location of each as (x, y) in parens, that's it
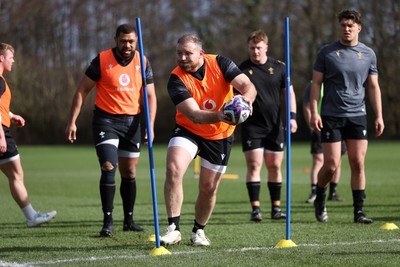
(237, 109)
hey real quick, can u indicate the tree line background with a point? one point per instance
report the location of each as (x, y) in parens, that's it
(55, 40)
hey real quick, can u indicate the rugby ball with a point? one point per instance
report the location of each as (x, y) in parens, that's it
(237, 109)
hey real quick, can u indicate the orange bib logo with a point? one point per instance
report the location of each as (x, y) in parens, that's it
(124, 79)
(209, 104)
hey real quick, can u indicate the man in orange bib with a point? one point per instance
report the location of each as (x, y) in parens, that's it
(10, 162)
(199, 87)
(116, 121)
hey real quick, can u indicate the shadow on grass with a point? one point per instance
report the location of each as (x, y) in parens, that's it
(61, 249)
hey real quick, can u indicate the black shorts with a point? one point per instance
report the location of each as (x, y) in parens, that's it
(336, 129)
(215, 151)
(316, 145)
(125, 128)
(271, 140)
(11, 145)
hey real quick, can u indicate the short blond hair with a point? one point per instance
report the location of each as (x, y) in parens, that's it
(4, 47)
(258, 36)
(190, 38)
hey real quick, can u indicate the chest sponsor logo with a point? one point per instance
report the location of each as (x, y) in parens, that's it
(124, 79)
(209, 104)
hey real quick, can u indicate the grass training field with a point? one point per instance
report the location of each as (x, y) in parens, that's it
(66, 178)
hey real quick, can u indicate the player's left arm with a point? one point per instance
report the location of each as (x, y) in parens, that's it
(375, 98)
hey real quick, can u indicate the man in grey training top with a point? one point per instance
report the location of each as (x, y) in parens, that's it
(345, 67)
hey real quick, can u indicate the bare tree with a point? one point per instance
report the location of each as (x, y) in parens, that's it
(56, 39)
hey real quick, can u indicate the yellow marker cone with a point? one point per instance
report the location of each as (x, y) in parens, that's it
(389, 226)
(159, 251)
(230, 176)
(285, 244)
(152, 238)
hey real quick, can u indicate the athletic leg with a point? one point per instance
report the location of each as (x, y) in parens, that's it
(331, 162)
(127, 168)
(357, 150)
(273, 161)
(333, 184)
(14, 172)
(180, 153)
(317, 161)
(205, 203)
(210, 178)
(178, 160)
(107, 153)
(254, 161)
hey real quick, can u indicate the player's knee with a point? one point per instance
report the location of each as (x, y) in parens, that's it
(173, 170)
(208, 189)
(107, 166)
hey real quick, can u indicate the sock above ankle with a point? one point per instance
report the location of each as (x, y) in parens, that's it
(332, 188)
(197, 226)
(29, 212)
(313, 189)
(253, 189)
(321, 194)
(358, 200)
(174, 220)
(107, 217)
(274, 191)
(255, 208)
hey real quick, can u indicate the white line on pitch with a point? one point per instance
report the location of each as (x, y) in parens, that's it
(40, 263)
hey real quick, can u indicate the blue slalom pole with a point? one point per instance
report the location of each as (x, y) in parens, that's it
(288, 133)
(149, 135)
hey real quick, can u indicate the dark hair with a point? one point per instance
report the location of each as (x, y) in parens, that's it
(258, 36)
(124, 29)
(350, 14)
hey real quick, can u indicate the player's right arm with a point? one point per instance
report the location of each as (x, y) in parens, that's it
(307, 112)
(84, 88)
(315, 120)
(306, 105)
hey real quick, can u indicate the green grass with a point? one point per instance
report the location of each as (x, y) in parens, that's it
(65, 178)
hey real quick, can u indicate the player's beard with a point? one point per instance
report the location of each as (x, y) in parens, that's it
(186, 66)
(124, 53)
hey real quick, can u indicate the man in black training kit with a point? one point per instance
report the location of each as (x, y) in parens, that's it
(263, 133)
(116, 74)
(345, 67)
(316, 152)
